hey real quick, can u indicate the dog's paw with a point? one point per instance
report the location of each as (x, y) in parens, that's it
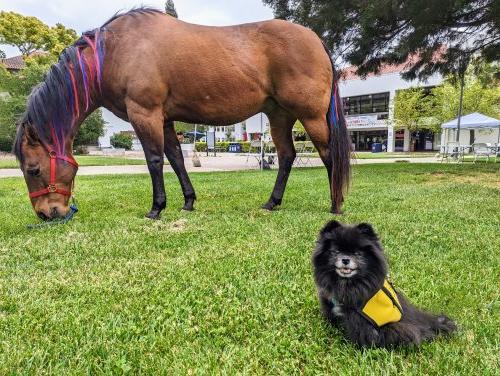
(445, 324)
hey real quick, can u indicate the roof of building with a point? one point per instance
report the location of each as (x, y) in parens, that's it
(14, 63)
(349, 73)
(17, 62)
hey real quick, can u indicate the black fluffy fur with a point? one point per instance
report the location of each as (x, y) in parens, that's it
(361, 243)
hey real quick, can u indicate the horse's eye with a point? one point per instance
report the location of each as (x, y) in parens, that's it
(33, 171)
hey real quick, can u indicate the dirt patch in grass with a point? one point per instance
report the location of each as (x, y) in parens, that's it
(483, 179)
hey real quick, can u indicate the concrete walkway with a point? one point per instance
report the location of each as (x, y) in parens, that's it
(222, 162)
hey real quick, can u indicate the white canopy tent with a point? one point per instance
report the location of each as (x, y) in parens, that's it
(471, 122)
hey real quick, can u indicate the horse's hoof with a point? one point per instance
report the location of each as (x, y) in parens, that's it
(336, 212)
(269, 206)
(153, 214)
(188, 205)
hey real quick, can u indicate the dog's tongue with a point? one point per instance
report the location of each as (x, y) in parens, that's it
(346, 270)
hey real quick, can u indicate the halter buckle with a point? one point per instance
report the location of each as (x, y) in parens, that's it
(52, 154)
(51, 188)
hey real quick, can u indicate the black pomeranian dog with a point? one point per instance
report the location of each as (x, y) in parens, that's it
(351, 276)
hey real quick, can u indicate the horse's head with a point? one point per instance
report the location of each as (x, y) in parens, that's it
(49, 174)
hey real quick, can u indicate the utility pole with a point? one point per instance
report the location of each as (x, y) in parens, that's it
(462, 68)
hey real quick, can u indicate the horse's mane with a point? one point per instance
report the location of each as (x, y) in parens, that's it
(55, 104)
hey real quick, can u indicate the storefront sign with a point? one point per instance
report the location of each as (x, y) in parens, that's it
(367, 121)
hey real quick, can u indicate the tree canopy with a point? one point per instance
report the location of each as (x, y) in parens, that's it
(420, 108)
(29, 34)
(170, 8)
(370, 33)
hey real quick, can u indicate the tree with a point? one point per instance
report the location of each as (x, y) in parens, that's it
(414, 109)
(122, 141)
(170, 8)
(368, 34)
(29, 34)
(60, 38)
(418, 108)
(2, 55)
(90, 130)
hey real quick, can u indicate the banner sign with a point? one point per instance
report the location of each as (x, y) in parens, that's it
(366, 121)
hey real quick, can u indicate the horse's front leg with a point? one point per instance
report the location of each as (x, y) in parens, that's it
(148, 126)
(174, 154)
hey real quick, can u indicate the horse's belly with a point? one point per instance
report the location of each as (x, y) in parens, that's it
(220, 100)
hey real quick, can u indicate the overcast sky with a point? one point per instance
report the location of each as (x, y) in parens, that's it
(83, 15)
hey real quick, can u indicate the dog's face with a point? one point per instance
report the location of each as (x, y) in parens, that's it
(349, 252)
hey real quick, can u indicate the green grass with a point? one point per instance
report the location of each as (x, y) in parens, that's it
(85, 160)
(228, 288)
(369, 155)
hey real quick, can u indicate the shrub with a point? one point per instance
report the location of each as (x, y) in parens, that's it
(223, 146)
(122, 141)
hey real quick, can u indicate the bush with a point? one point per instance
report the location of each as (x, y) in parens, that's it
(81, 150)
(223, 146)
(121, 141)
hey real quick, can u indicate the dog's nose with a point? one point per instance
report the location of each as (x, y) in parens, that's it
(345, 261)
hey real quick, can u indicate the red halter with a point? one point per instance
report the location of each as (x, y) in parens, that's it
(52, 187)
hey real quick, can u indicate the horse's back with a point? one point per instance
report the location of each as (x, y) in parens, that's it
(211, 73)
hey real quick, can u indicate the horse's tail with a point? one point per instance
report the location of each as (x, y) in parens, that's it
(340, 145)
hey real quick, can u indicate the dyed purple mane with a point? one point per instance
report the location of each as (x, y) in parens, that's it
(69, 90)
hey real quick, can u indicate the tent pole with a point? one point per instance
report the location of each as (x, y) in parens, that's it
(462, 75)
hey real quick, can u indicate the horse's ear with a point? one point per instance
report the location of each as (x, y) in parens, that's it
(330, 226)
(30, 134)
(367, 229)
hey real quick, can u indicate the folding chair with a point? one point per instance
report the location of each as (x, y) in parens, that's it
(480, 149)
(452, 151)
(254, 150)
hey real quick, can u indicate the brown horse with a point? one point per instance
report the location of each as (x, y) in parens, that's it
(152, 69)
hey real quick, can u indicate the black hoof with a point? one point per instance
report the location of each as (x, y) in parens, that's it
(153, 214)
(336, 211)
(189, 204)
(269, 206)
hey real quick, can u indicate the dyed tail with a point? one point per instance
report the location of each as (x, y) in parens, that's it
(340, 146)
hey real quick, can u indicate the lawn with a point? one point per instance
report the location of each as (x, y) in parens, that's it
(228, 288)
(85, 160)
(369, 155)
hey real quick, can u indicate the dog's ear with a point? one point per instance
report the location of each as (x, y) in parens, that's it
(367, 229)
(330, 226)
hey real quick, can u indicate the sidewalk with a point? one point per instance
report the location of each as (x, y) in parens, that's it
(222, 162)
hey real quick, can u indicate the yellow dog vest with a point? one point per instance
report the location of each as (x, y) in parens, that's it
(383, 307)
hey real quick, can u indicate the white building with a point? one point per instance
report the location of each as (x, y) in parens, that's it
(369, 108)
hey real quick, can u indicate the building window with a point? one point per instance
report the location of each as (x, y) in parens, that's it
(366, 104)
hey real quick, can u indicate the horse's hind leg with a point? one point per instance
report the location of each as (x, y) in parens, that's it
(148, 125)
(319, 132)
(281, 123)
(176, 160)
